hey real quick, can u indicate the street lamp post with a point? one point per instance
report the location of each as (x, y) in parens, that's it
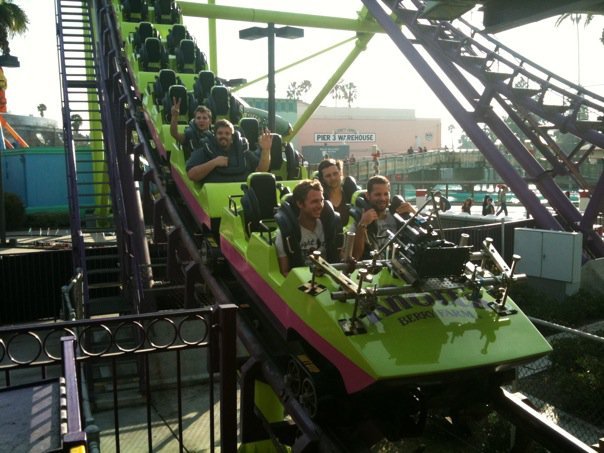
(270, 32)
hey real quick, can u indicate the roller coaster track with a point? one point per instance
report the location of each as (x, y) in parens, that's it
(545, 103)
(128, 142)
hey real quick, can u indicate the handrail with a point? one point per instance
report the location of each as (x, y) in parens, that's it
(73, 435)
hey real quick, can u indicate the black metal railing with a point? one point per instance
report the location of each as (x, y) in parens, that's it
(159, 341)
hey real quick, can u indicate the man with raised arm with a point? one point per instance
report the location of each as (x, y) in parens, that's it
(196, 131)
(220, 158)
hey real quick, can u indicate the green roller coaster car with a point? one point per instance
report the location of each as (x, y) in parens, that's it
(368, 331)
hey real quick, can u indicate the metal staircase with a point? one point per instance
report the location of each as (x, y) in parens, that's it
(95, 187)
(490, 81)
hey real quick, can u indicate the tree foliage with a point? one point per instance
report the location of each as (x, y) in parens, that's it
(346, 91)
(296, 90)
(41, 109)
(576, 18)
(13, 20)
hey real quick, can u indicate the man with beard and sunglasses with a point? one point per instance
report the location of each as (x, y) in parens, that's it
(223, 157)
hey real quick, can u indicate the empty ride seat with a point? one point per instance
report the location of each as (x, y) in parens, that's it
(185, 56)
(163, 81)
(251, 130)
(135, 10)
(204, 82)
(259, 200)
(166, 12)
(176, 34)
(186, 106)
(219, 101)
(153, 56)
(141, 33)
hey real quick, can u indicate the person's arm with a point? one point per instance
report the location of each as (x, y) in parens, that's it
(281, 254)
(360, 237)
(199, 172)
(284, 265)
(265, 141)
(174, 113)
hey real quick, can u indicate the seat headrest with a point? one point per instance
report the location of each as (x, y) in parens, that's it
(251, 130)
(167, 78)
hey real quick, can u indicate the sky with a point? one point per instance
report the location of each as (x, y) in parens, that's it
(382, 75)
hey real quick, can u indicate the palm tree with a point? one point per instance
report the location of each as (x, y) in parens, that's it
(41, 109)
(349, 92)
(336, 91)
(451, 129)
(296, 90)
(576, 19)
(13, 20)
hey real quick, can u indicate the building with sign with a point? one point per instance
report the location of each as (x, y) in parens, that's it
(365, 130)
(342, 132)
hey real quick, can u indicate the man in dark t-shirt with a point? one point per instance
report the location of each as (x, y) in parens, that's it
(222, 158)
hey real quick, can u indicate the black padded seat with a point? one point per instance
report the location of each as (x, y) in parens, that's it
(276, 152)
(166, 12)
(259, 200)
(141, 33)
(219, 101)
(163, 81)
(176, 34)
(251, 130)
(186, 105)
(349, 187)
(186, 56)
(287, 220)
(153, 56)
(204, 82)
(135, 10)
(358, 204)
(292, 159)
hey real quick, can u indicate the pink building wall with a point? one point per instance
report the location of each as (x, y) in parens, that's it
(392, 130)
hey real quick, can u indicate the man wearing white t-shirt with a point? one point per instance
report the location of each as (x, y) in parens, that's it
(308, 197)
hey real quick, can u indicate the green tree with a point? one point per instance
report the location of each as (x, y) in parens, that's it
(13, 20)
(296, 90)
(41, 109)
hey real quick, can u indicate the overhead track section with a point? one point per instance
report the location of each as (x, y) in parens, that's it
(487, 79)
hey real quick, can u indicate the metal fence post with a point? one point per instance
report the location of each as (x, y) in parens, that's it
(228, 377)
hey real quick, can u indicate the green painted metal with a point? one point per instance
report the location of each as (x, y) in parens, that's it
(289, 66)
(359, 47)
(422, 334)
(213, 42)
(277, 17)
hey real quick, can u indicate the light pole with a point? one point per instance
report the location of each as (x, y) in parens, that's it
(270, 32)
